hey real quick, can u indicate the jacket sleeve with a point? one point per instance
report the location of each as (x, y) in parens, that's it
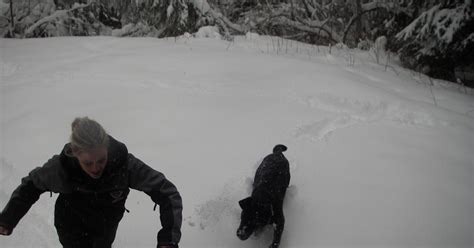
(49, 177)
(163, 193)
(20, 202)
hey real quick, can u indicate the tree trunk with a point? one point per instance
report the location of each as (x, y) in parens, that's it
(292, 10)
(358, 24)
(11, 18)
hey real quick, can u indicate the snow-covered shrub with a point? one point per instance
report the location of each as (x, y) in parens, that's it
(161, 18)
(252, 36)
(169, 17)
(208, 32)
(135, 30)
(25, 14)
(79, 20)
(45, 18)
(341, 46)
(379, 47)
(4, 20)
(364, 44)
(439, 40)
(380, 43)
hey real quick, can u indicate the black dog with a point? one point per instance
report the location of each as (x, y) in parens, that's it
(265, 206)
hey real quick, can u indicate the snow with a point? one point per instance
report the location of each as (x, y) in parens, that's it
(379, 157)
(380, 43)
(208, 32)
(202, 5)
(132, 30)
(169, 10)
(252, 36)
(4, 8)
(124, 30)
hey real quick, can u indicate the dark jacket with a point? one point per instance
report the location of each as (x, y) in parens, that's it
(89, 207)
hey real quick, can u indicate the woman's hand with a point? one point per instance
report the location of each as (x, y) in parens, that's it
(4, 231)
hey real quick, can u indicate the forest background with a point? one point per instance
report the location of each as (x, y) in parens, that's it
(432, 37)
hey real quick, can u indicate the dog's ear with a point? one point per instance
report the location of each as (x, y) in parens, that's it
(245, 203)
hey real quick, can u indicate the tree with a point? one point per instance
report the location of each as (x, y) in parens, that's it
(12, 21)
(439, 39)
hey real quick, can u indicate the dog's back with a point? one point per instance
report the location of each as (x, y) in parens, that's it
(272, 177)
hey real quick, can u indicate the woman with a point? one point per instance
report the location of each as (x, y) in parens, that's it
(93, 176)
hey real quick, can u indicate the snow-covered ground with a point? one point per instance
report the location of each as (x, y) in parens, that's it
(379, 158)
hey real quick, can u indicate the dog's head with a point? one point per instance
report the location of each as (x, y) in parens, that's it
(253, 217)
(247, 219)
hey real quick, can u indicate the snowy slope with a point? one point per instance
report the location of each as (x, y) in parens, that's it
(379, 158)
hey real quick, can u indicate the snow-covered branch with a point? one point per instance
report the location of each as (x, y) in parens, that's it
(441, 22)
(369, 6)
(206, 10)
(51, 18)
(316, 28)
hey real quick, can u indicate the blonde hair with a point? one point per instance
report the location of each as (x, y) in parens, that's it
(87, 134)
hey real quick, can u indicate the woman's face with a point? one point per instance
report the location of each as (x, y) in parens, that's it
(93, 161)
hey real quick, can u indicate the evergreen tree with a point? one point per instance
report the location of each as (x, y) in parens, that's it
(440, 39)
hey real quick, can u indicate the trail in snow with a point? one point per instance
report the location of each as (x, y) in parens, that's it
(369, 150)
